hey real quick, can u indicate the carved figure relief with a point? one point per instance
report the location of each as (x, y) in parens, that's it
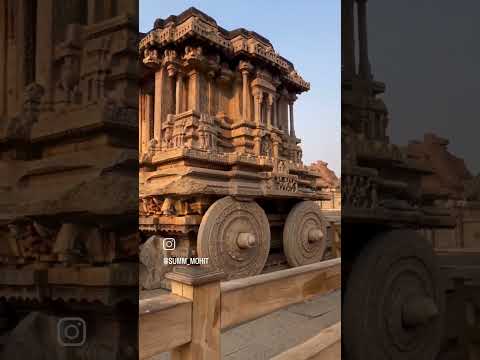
(298, 155)
(359, 192)
(152, 146)
(20, 126)
(69, 60)
(167, 138)
(30, 239)
(69, 79)
(282, 167)
(286, 183)
(150, 57)
(266, 146)
(193, 53)
(206, 135)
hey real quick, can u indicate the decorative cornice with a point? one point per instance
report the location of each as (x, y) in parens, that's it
(194, 23)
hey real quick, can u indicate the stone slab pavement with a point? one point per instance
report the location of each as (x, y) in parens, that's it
(277, 332)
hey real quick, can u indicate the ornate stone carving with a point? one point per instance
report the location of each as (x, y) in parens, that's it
(282, 167)
(69, 59)
(151, 205)
(226, 75)
(235, 236)
(286, 183)
(117, 110)
(21, 125)
(304, 234)
(229, 139)
(193, 55)
(206, 135)
(245, 66)
(298, 155)
(167, 138)
(151, 58)
(266, 146)
(359, 191)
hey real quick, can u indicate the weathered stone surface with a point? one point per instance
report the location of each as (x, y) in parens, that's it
(67, 146)
(34, 338)
(449, 172)
(331, 181)
(69, 165)
(152, 266)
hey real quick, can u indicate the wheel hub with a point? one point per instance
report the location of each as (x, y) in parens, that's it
(246, 240)
(235, 236)
(419, 311)
(315, 235)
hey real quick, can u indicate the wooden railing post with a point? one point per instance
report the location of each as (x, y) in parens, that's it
(202, 286)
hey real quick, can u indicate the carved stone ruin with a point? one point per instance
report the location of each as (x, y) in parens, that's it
(453, 187)
(330, 181)
(393, 296)
(220, 163)
(68, 153)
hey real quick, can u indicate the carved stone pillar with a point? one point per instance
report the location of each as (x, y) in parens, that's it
(220, 97)
(278, 117)
(238, 97)
(283, 111)
(146, 116)
(140, 127)
(245, 69)
(3, 56)
(292, 129)
(246, 95)
(291, 100)
(179, 93)
(257, 148)
(194, 90)
(276, 149)
(258, 96)
(270, 102)
(275, 111)
(44, 33)
(171, 92)
(14, 44)
(348, 38)
(159, 106)
(211, 93)
(364, 64)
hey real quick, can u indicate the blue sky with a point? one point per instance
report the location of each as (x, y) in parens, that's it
(306, 32)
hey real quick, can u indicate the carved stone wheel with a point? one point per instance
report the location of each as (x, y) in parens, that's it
(304, 234)
(393, 305)
(235, 236)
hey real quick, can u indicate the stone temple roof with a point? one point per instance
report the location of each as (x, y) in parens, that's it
(194, 24)
(178, 19)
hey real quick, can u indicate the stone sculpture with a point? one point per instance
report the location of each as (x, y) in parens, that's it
(221, 104)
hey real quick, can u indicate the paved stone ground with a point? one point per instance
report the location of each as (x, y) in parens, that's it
(271, 335)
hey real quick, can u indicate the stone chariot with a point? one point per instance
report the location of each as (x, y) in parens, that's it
(220, 165)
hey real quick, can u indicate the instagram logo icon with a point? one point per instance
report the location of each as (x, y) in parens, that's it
(71, 331)
(169, 244)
